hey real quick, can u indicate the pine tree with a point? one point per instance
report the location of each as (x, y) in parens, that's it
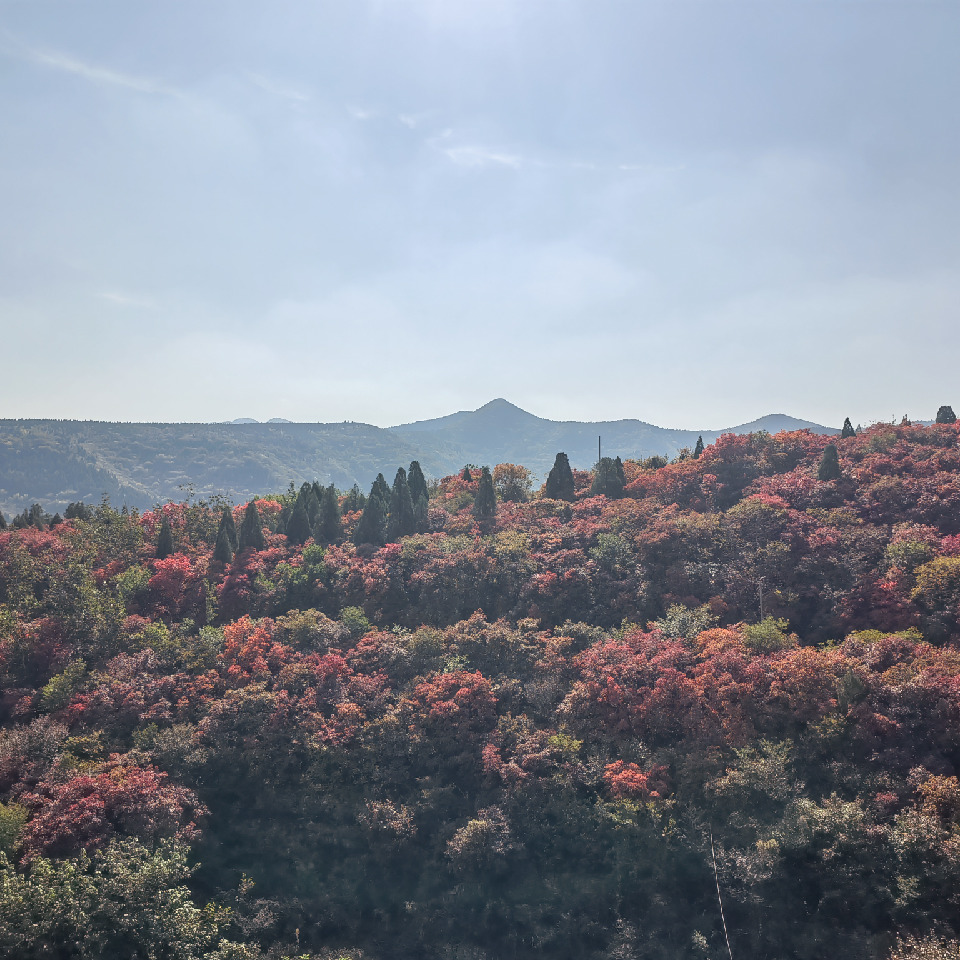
(328, 527)
(223, 551)
(298, 526)
(560, 480)
(372, 527)
(466, 476)
(251, 530)
(3, 523)
(829, 464)
(946, 415)
(698, 449)
(618, 463)
(401, 522)
(164, 540)
(417, 482)
(383, 491)
(607, 481)
(355, 500)
(485, 503)
(229, 527)
(847, 430)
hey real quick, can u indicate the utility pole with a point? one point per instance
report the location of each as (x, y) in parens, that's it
(599, 455)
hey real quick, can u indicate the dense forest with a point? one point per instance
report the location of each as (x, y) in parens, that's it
(700, 708)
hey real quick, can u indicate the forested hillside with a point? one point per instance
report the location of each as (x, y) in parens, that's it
(56, 462)
(475, 719)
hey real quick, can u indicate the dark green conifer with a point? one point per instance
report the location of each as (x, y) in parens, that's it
(3, 523)
(401, 522)
(298, 526)
(847, 430)
(560, 480)
(607, 481)
(420, 496)
(227, 525)
(698, 449)
(485, 503)
(354, 500)
(466, 476)
(829, 464)
(328, 527)
(946, 415)
(313, 503)
(417, 482)
(372, 527)
(251, 530)
(383, 490)
(618, 463)
(223, 551)
(164, 540)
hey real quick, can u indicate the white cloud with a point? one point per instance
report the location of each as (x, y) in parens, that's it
(97, 74)
(277, 88)
(474, 156)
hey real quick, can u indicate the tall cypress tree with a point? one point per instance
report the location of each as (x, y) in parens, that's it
(607, 480)
(560, 480)
(298, 526)
(355, 500)
(251, 530)
(383, 490)
(618, 463)
(328, 528)
(372, 527)
(829, 464)
(946, 415)
(223, 551)
(417, 482)
(402, 522)
(3, 523)
(466, 476)
(227, 524)
(312, 503)
(485, 503)
(698, 449)
(164, 540)
(847, 430)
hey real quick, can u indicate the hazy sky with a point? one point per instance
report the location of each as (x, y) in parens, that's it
(387, 210)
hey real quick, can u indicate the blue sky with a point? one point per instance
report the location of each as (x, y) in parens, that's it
(689, 213)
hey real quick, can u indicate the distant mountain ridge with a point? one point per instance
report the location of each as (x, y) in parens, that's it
(55, 462)
(501, 432)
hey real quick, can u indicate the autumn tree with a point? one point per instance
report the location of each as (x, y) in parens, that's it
(946, 415)
(251, 530)
(829, 464)
(511, 482)
(559, 484)
(485, 504)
